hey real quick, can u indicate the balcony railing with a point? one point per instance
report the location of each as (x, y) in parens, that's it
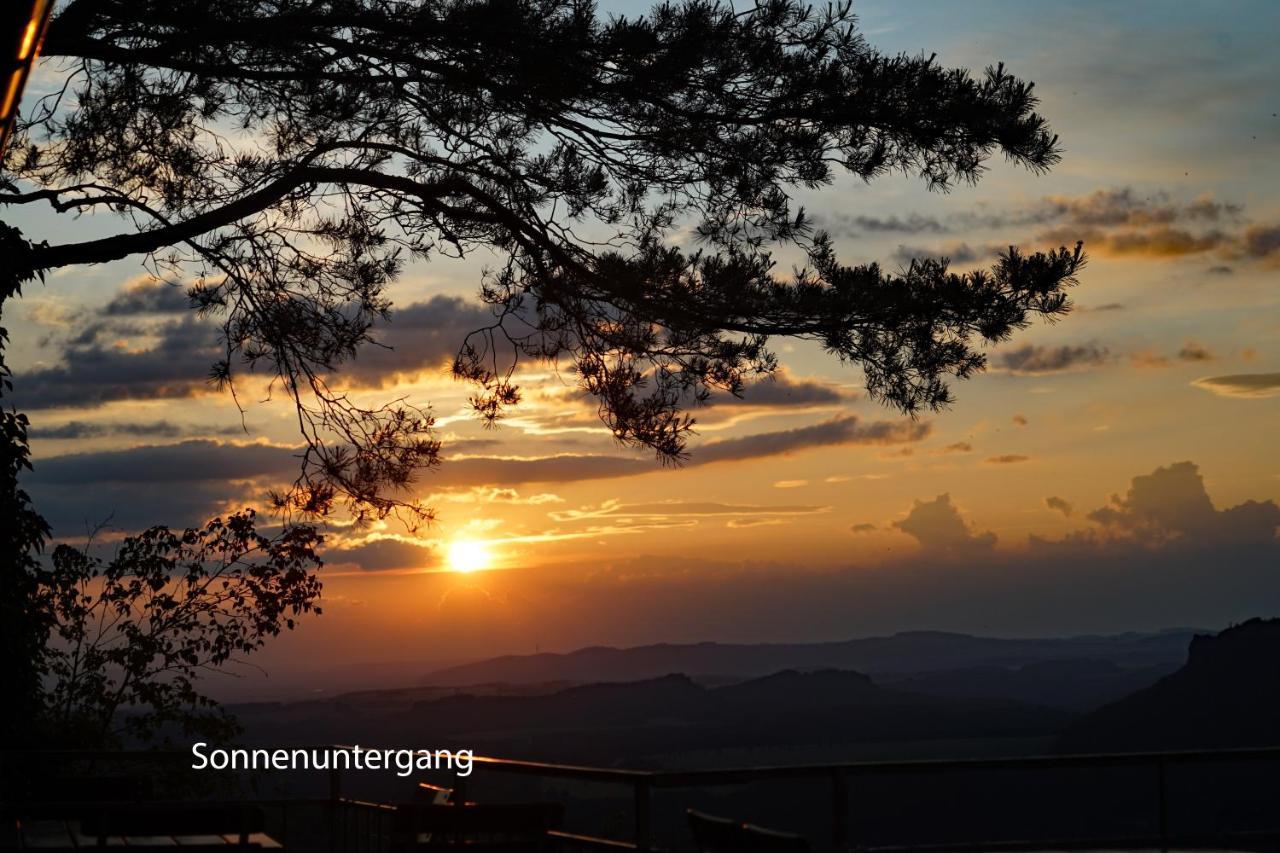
(345, 823)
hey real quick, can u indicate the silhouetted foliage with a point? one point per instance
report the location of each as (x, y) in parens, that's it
(23, 534)
(133, 635)
(291, 155)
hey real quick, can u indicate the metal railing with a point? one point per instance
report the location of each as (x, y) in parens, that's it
(643, 783)
(349, 817)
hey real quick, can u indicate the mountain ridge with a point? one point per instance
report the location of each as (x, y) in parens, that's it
(904, 652)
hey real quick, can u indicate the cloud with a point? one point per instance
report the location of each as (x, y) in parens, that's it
(617, 510)
(494, 494)
(209, 473)
(957, 447)
(864, 527)
(790, 484)
(782, 390)
(179, 485)
(1123, 206)
(384, 553)
(1263, 242)
(1019, 419)
(1114, 221)
(1059, 505)
(99, 429)
(196, 460)
(843, 430)
(1007, 459)
(148, 295)
(1194, 351)
(845, 225)
(938, 526)
(957, 253)
(420, 337)
(1034, 360)
(742, 523)
(1171, 504)
(130, 355)
(1148, 358)
(1246, 385)
(99, 368)
(1159, 242)
(559, 468)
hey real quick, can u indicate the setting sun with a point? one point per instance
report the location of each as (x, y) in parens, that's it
(469, 555)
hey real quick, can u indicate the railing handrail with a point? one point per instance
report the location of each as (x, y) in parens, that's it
(642, 782)
(740, 775)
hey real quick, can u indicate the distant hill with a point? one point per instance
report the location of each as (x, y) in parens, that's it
(615, 722)
(1227, 695)
(1077, 684)
(905, 653)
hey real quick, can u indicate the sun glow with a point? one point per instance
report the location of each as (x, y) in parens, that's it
(469, 555)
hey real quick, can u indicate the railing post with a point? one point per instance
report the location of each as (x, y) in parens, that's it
(643, 839)
(337, 822)
(459, 788)
(839, 808)
(335, 783)
(1162, 805)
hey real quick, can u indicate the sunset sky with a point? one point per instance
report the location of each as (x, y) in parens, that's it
(1115, 471)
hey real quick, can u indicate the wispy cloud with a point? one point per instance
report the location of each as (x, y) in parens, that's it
(1246, 385)
(1033, 360)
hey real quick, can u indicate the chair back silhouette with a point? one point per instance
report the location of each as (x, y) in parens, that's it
(434, 794)
(713, 834)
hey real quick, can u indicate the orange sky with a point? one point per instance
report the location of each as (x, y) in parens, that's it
(1056, 496)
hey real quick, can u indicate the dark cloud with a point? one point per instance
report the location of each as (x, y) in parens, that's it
(171, 359)
(148, 296)
(96, 370)
(1262, 241)
(1007, 459)
(99, 429)
(1059, 505)
(914, 223)
(957, 253)
(378, 554)
(1242, 385)
(781, 390)
(843, 430)
(958, 447)
(938, 526)
(1104, 208)
(863, 528)
(74, 509)
(1194, 351)
(192, 461)
(1116, 221)
(1019, 420)
(136, 483)
(1032, 359)
(1220, 269)
(1171, 504)
(179, 485)
(1124, 206)
(421, 337)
